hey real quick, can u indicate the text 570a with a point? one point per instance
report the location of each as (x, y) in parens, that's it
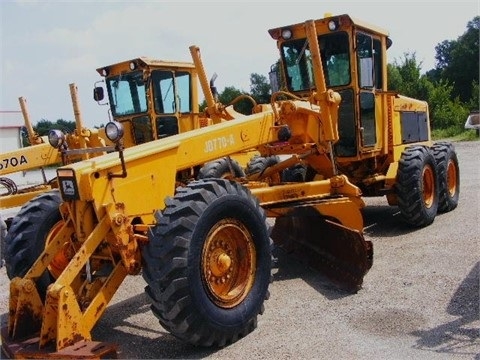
(12, 162)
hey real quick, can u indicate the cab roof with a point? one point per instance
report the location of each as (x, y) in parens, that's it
(151, 62)
(343, 19)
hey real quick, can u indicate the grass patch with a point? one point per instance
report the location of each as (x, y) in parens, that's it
(454, 135)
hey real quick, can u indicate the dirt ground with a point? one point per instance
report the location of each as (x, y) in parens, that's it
(420, 300)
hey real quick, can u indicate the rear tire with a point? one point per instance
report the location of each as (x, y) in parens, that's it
(417, 186)
(27, 236)
(208, 263)
(296, 173)
(223, 168)
(258, 164)
(448, 176)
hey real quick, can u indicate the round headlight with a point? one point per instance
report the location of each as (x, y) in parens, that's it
(104, 72)
(133, 66)
(286, 34)
(114, 131)
(332, 25)
(56, 138)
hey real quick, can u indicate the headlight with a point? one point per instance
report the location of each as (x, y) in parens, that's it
(114, 131)
(286, 34)
(56, 138)
(133, 66)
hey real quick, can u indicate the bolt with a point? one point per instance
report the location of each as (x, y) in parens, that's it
(28, 287)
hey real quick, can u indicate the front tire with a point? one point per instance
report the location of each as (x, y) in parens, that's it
(417, 186)
(448, 176)
(28, 234)
(208, 263)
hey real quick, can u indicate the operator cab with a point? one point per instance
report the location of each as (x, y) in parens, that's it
(153, 99)
(353, 56)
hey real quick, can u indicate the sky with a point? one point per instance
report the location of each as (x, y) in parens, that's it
(47, 45)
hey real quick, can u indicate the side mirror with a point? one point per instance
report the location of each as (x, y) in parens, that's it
(213, 88)
(274, 75)
(98, 94)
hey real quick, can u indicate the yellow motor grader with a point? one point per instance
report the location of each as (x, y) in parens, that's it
(203, 245)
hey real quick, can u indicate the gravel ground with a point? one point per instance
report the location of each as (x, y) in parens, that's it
(420, 300)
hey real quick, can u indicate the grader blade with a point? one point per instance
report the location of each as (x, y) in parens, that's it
(337, 251)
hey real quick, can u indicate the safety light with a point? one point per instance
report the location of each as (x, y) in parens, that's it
(332, 25)
(133, 66)
(56, 138)
(286, 34)
(114, 131)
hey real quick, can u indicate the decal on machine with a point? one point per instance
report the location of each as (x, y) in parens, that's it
(69, 188)
(219, 143)
(13, 162)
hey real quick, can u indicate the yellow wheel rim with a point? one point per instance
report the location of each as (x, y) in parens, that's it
(451, 178)
(228, 263)
(428, 186)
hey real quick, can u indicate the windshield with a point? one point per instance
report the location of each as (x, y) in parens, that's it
(127, 94)
(335, 60)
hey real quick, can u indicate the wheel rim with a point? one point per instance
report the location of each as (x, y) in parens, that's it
(62, 257)
(228, 263)
(451, 178)
(428, 186)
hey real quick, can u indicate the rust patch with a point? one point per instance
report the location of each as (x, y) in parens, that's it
(99, 309)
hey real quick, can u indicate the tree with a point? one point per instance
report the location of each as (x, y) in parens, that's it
(260, 88)
(405, 77)
(229, 94)
(446, 111)
(457, 61)
(44, 126)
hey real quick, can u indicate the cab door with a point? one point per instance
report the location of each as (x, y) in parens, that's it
(367, 83)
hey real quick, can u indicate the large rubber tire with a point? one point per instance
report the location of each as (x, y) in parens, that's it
(221, 169)
(296, 173)
(211, 231)
(417, 186)
(448, 176)
(27, 235)
(259, 163)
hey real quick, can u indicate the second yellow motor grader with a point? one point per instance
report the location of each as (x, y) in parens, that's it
(40, 154)
(204, 246)
(151, 98)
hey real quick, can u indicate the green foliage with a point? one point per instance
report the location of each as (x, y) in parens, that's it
(44, 126)
(446, 112)
(259, 91)
(452, 115)
(228, 95)
(260, 88)
(458, 62)
(474, 103)
(451, 89)
(404, 77)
